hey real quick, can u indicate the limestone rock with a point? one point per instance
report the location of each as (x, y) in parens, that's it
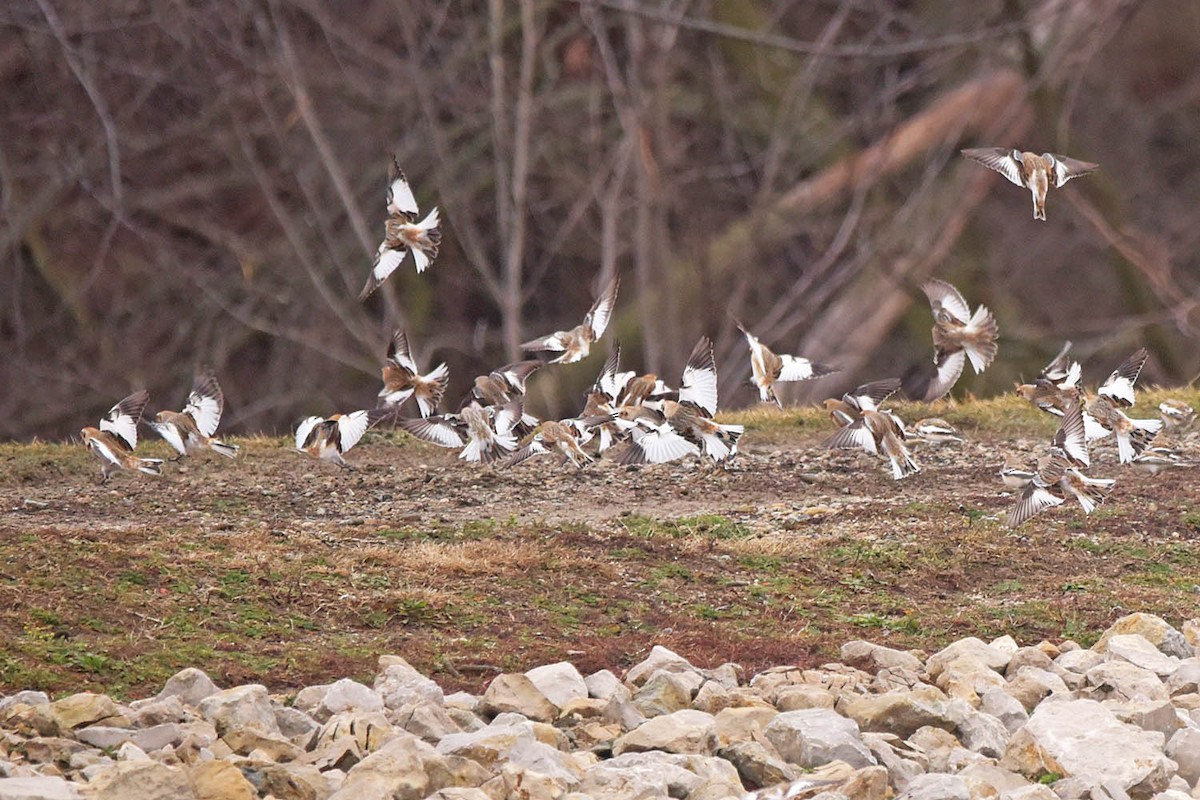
(638, 776)
(903, 763)
(1186, 679)
(190, 685)
(873, 657)
(1124, 681)
(660, 658)
(140, 780)
(1004, 707)
(685, 731)
(405, 768)
(1082, 738)
(604, 684)
(399, 684)
(970, 647)
(812, 737)
(936, 787)
(560, 682)
(757, 765)
(38, 788)
(741, 724)
(84, 708)
(983, 734)
(663, 693)
(515, 692)
(903, 712)
(1184, 749)
(1031, 685)
(220, 780)
(1138, 650)
(1154, 629)
(1079, 660)
(246, 707)
(795, 698)
(347, 695)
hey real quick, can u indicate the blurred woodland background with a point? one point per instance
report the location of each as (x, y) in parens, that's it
(203, 182)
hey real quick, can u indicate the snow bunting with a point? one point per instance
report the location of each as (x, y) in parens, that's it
(484, 433)
(1036, 496)
(1177, 416)
(877, 432)
(575, 344)
(935, 430)
(402, 379)
(1015, 474)
(505, 384)
(958, 336)
(193, 428)
(329, 438)
(867, 397)
(1162, 454)
(1115, 394)
(1031, 171)
(402, 233)
(553, 437)
(1071, 436)
(115, 440)
(767, 368)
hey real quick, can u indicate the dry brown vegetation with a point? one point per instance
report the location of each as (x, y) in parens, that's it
(281, 570)
(203, 183)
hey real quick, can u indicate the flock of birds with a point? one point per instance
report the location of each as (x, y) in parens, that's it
(651, 423)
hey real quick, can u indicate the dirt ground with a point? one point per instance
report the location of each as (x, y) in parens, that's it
(277, 569)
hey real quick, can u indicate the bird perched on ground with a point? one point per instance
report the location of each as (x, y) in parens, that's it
(484, 433)
(1177, 416)
(575, 344)
(115, 440)
(402, 379)
(958, 336)
(934, 430)
(402, 233)
(867, 397)
(1115, 394)
(193, 428)
(329, 438)
(1015, 474)
(1031, 171)
(1057, 384)
(767, 368)
(1162, 454)
(553, 437)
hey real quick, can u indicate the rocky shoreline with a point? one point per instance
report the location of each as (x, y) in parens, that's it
(975, 720)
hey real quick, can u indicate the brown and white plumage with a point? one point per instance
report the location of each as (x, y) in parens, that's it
(116, 438)
(402, 379)
(482, 434)
(768, 368)
(868, 397)
(553, 437)
(575, 344)
(935, 430)
(194, 428)
(1038, 493)
(402, 233)
(1057, 384)
(330, 438)
(1177, 416)
(958, 336)
(877, 432)
(1106, 409)
(1031, 171)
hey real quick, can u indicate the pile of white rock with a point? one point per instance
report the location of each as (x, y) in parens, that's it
(975, 720)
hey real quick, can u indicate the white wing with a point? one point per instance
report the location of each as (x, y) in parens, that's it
(386, 262)
(949, 370)
(699, 384)
(400, 198)
(171, 434)
(122, 419)
(206, 411)
(435, 430)
(304, 429)
(852, 436)
(944, 297)
(597, 319)
(662, 444)
(351, 428)
(999, 159)
(420, 259)
(399, 352)
(795, 369)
